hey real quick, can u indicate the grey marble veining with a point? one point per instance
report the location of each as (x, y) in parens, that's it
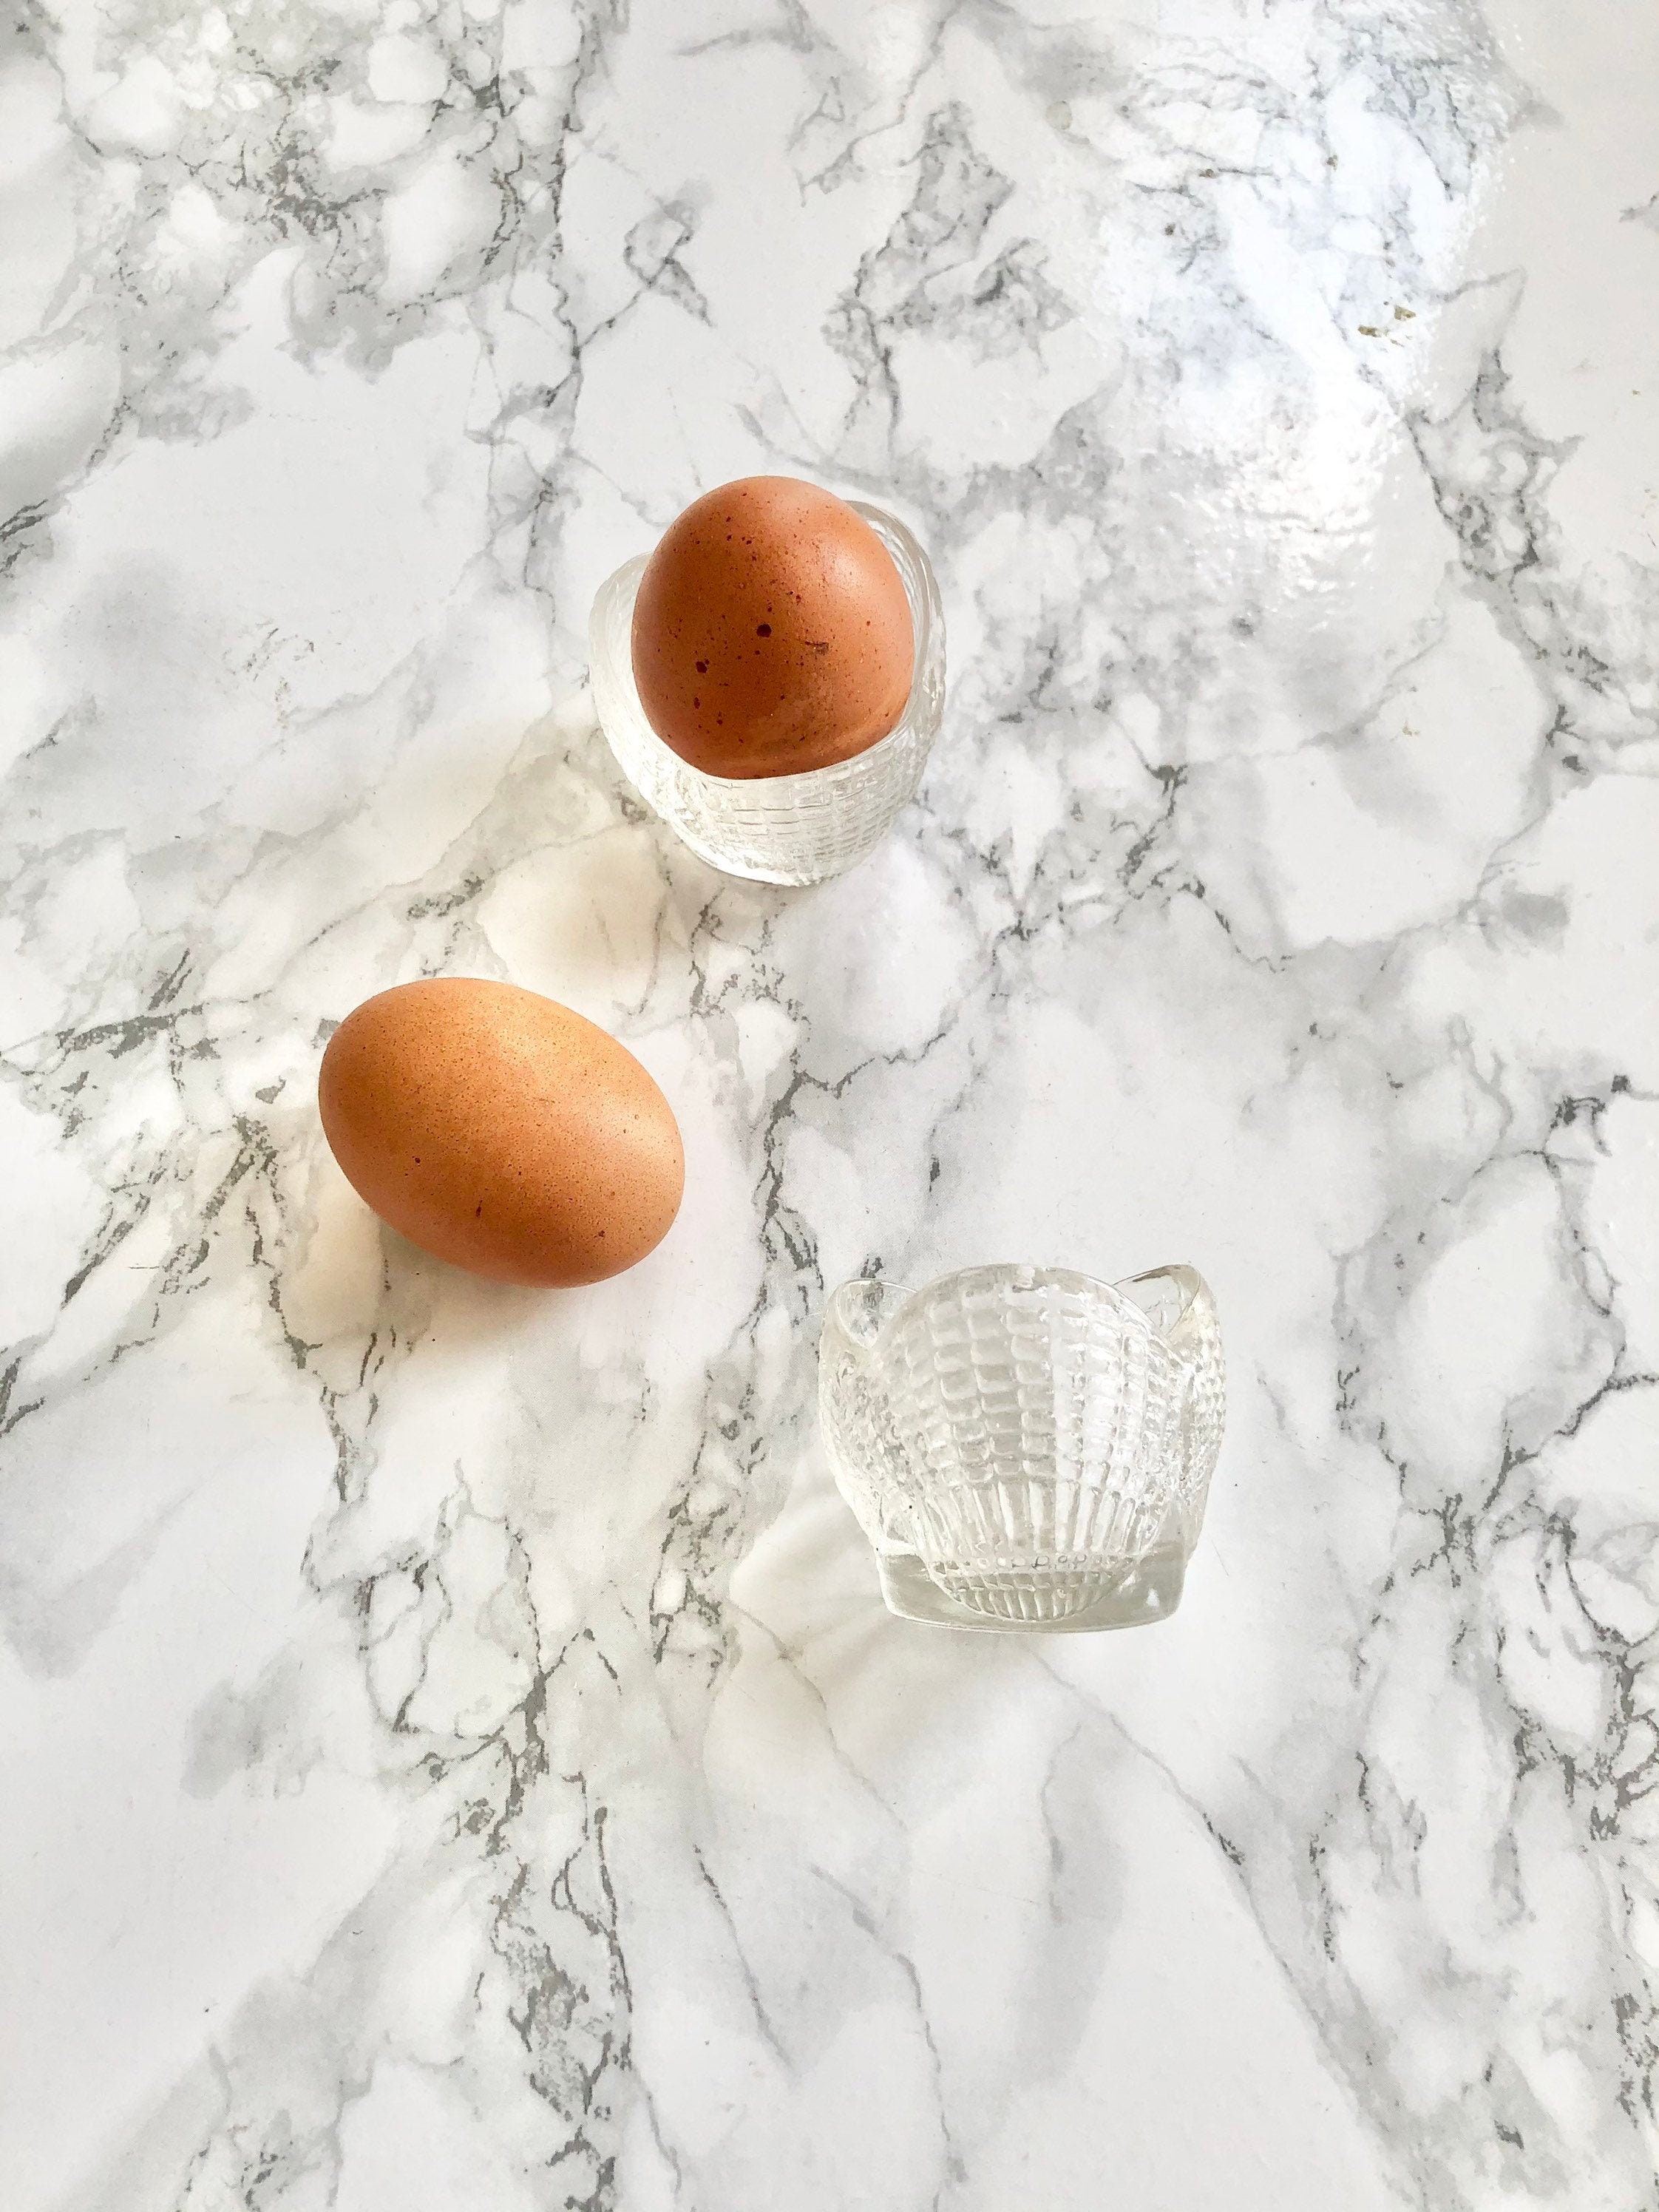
(453, 1750)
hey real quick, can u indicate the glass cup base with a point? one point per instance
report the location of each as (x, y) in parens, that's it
(1147, 1592)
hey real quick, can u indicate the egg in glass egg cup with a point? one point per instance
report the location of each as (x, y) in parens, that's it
(770, 828)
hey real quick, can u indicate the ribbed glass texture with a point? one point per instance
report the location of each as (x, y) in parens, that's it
(776, 828)
(1037, 1444)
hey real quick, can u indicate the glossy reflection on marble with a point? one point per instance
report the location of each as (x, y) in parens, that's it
(455, 1750)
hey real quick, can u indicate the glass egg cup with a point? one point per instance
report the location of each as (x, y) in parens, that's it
(778, 829)
(1026, 1448)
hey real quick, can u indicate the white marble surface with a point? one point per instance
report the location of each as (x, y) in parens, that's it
(453, 1753)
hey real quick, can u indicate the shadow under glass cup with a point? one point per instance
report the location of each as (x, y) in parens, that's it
(1026, 1448)
(778, 829)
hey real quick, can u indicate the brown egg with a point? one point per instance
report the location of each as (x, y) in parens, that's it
(771, 632)
(499, 1130)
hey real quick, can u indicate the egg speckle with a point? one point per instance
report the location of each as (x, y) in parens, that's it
(547, 1154)
(771, 632)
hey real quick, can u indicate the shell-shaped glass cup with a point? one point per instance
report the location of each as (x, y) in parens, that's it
(1026, 1447)
(777, 828)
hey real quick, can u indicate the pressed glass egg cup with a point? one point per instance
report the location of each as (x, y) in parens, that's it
(776, 828)
(1025, 1448)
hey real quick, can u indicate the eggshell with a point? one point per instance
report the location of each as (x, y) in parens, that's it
(771, 632)
(501, 1131)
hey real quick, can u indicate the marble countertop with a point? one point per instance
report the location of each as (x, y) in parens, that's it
(454, 1753)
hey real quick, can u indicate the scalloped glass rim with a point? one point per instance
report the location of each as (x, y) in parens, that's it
(783, 829)
(1187, 1283)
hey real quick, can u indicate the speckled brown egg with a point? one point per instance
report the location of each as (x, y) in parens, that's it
(501, 1131)
(771, 632)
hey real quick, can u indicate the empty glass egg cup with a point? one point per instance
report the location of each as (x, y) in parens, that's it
(1025, 1448)
(776, 828)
